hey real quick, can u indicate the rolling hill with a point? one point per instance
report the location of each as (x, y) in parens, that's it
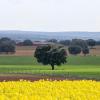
(22, 35)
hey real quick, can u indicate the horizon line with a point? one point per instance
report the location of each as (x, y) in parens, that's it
(49, 31)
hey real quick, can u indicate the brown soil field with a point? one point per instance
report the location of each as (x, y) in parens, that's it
(24, 53)
(29, 51)
(95, 51)
(17, 77)
(25, 50)
(27, 77)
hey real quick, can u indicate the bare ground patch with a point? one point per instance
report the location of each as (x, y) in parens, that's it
(39, 77)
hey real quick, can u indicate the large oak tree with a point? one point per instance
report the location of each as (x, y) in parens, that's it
(51, 55)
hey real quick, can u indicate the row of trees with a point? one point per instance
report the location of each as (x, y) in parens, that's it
(25, 43)
(8, 46)
(76, 46)
(74, 50)
(90, 42)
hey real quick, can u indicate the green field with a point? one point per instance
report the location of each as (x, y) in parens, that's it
(80, 71)
(30, 60)
(77, 67)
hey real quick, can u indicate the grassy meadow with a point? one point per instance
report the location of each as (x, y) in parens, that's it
(86, 67)
(30, 60)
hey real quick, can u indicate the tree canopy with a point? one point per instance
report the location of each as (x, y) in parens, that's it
(79, 42)
(52, 40)
(7, 45)
(85, 51)
(65, 42)
(91, 42)
(74, 49)
(51, 55)
(27, 43)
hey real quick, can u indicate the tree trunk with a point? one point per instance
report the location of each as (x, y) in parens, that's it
(52, 67)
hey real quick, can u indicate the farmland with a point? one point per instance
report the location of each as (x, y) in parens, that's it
(22, 77)
(78, 67)
(23, 65)
(30, 60)
(50, 90)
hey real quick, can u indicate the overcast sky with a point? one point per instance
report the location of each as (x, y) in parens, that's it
(50, 15)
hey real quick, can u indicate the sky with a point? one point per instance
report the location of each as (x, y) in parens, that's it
(50, 15)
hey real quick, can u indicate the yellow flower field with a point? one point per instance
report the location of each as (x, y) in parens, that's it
(50, 90)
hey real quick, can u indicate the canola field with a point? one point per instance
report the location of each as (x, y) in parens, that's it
(50, 90)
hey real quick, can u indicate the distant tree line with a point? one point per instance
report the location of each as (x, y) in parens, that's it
(77, 46)
(26, 42)
(90, 42)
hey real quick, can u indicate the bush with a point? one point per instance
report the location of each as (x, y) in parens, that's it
(27, 43)
(74, 49)
(7, 45)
